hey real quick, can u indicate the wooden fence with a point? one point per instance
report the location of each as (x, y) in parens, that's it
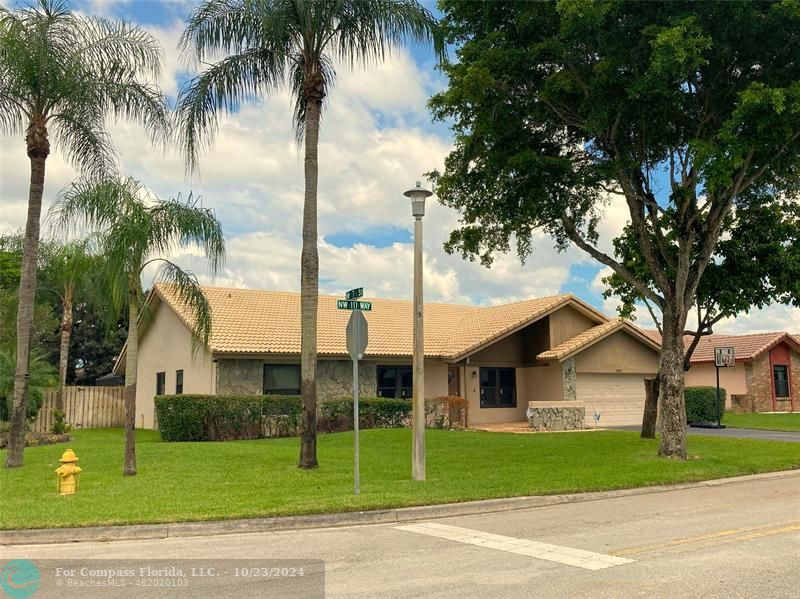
(84, 407)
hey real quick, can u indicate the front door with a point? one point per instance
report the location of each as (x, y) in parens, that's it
(453, 382)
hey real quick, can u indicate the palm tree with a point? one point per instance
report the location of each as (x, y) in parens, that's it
(69, 265)
(269, 44)
(61, 75)
(137, 229)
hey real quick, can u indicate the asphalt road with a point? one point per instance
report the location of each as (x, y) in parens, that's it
(735, 433)
(733, 540)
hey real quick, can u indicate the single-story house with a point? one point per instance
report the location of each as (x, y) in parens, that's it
(764, 377)
(550, 350)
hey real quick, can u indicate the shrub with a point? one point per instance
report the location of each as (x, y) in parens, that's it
(223, 417)
(700, 404)
(373, 412)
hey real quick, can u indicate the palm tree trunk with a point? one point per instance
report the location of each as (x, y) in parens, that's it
(131, 359)
(38, 149)
(309, 292)
(63, 357)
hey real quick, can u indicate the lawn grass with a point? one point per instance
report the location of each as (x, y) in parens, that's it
(768, 422)
(242, 479)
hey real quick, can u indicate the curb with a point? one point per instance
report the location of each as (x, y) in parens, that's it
(339, 519)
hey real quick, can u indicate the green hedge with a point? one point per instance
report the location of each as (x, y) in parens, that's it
(223, 417)
(373, 412)
(700, 404)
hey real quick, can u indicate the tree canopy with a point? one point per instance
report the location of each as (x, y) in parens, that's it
(683, 110)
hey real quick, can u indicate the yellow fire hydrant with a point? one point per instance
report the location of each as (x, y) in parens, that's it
(68, 473)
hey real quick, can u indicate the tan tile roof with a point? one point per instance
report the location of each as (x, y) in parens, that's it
(260, 322)
(745, 347)
(592, 336)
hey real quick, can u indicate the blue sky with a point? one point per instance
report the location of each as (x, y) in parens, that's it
(377, 138)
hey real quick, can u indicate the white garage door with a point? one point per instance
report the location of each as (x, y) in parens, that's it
(618, 398)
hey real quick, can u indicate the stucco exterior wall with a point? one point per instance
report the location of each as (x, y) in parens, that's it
(730, 379)
(166, 346)
(543, 383)
(435, 379)
(478, 415)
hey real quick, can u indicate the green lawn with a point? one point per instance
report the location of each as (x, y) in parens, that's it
(769, 422)
(203, 481)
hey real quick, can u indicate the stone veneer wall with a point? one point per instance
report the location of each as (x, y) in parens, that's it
(239, 376)
(334, 378)
(568, 379)
(556, 418)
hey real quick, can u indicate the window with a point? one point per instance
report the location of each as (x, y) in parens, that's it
(498, 387)
(780, 374)
(281, 379)
(178, 382)
(395, 381)
(161, 383)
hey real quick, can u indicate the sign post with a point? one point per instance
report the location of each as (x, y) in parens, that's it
(357, 337)
(724, 357)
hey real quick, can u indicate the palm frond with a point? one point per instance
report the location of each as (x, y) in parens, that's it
(186, 287)
(85, 143)
(222, 87)
(179, 224)
(367, 29)
(73, 71)
(89, 202)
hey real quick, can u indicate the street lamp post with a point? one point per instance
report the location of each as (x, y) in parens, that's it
(418, 196)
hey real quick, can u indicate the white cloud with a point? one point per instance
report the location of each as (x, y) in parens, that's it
(374, 143)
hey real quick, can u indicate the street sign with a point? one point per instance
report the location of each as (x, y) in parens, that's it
(354, 293)
(353, 305)
(357, 334)
(357, 331)
(724, 357)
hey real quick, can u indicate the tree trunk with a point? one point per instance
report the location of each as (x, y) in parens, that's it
(673, 409)
(38, 148)
(309, 292)
(650, 415)
(131, 359)
(63, 357)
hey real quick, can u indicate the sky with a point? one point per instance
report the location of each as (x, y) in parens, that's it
(377, 138)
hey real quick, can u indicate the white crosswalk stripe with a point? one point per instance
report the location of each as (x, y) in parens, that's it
(569, 556)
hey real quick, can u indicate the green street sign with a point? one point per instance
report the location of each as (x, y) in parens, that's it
(353, 305)
(354, 293)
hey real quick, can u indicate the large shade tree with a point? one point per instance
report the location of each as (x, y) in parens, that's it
(266, 45)
(755, 264)
(61, 76)
(677, 108)
(136, 230)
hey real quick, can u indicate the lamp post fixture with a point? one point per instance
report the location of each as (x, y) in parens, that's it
(418, 196)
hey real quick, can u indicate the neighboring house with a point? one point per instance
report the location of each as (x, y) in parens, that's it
(548, 350)
(765, 377)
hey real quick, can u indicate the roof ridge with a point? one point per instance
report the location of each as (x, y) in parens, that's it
(391, 299)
